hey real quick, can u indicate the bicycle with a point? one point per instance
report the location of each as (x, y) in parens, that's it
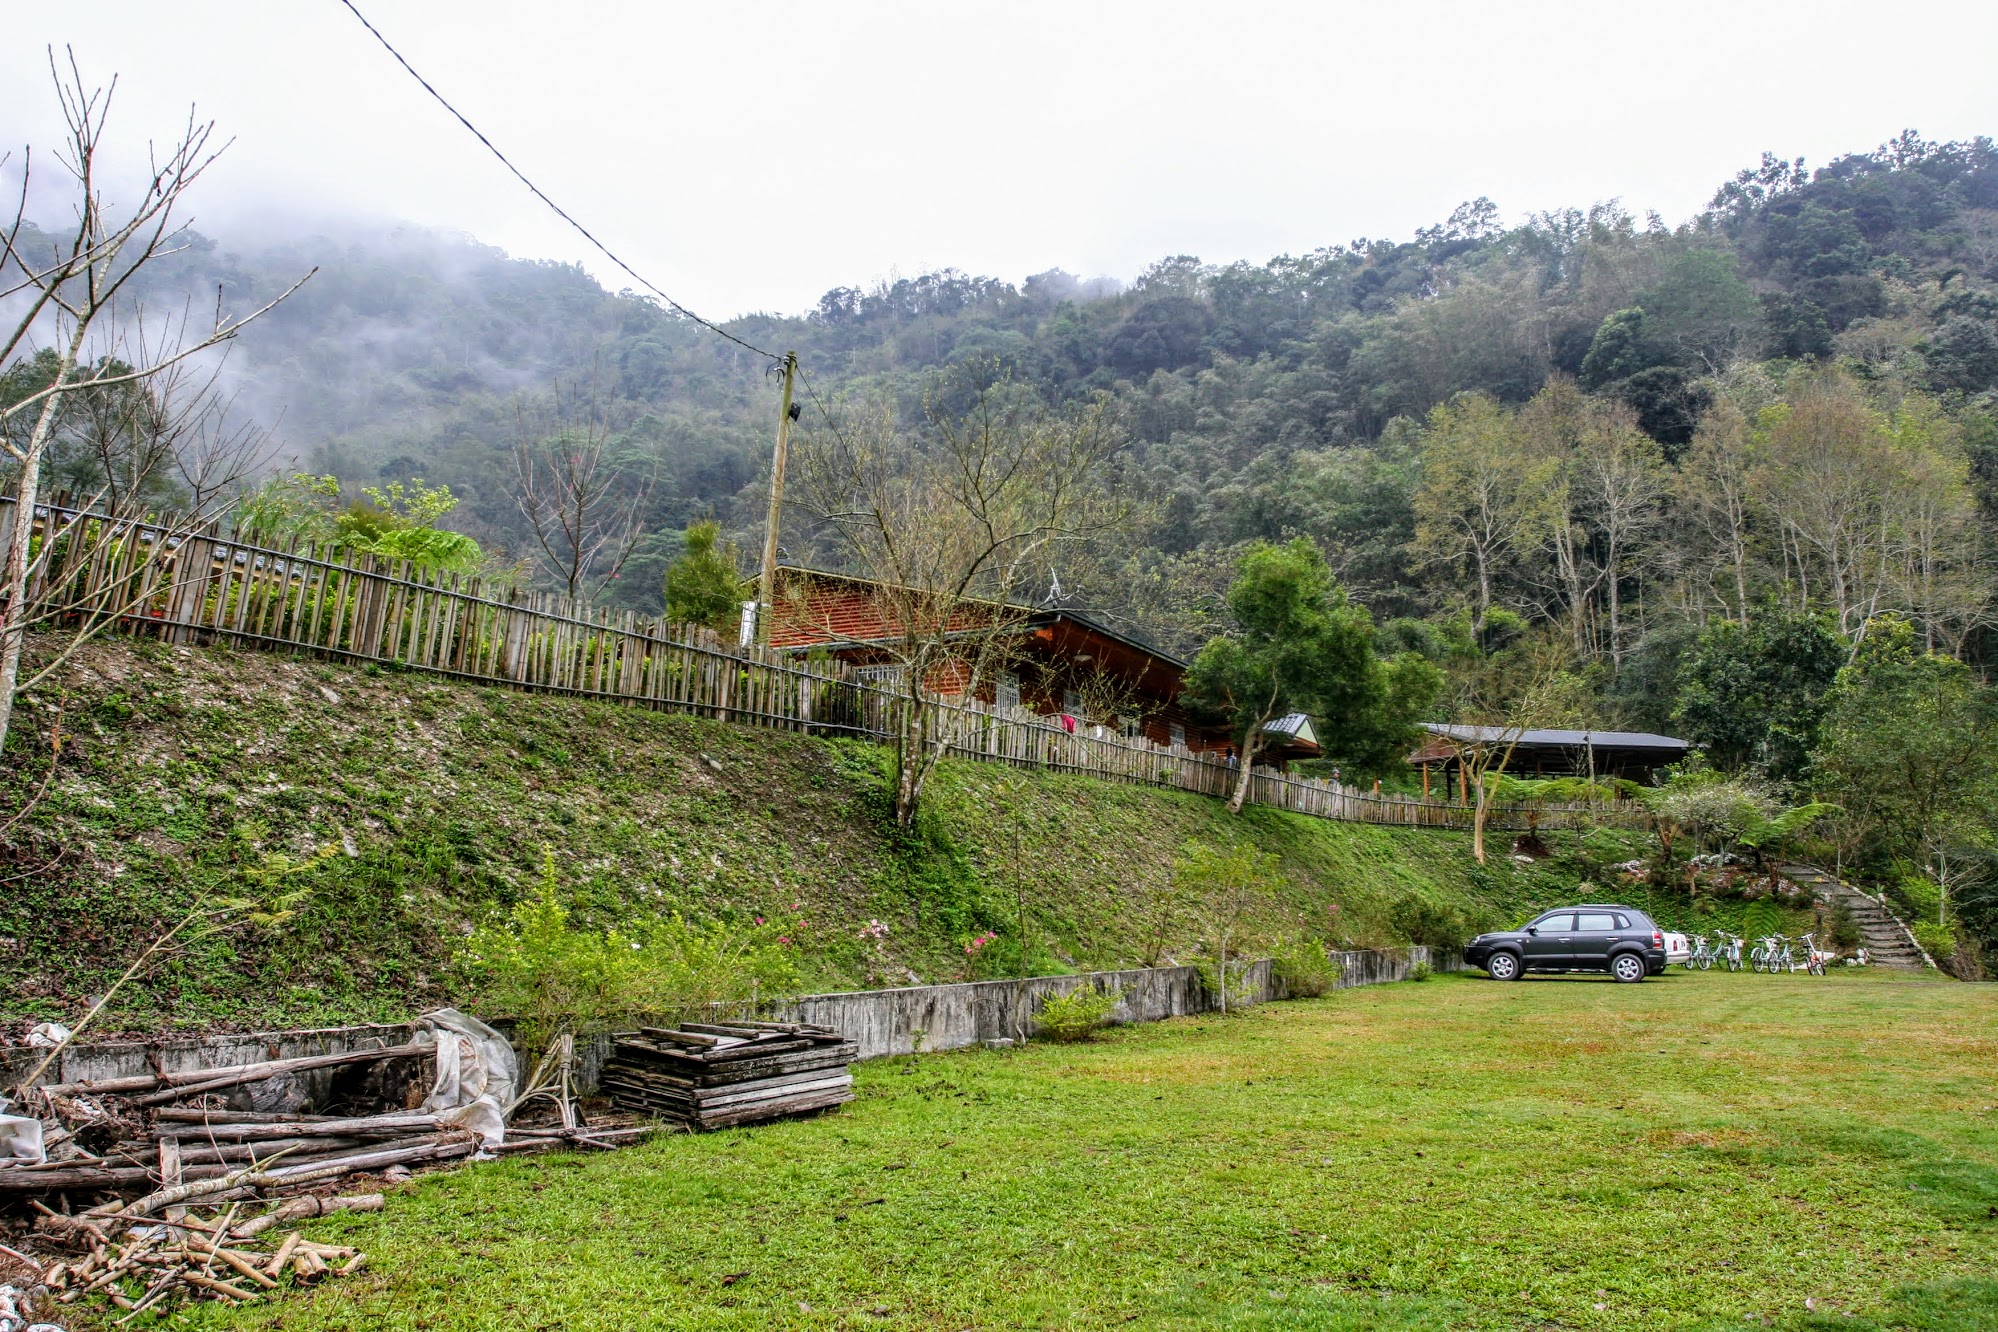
(1728, 954)
(1772, 955)
(1814, 957)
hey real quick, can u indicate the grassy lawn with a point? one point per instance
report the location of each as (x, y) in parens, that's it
(1697, 1151)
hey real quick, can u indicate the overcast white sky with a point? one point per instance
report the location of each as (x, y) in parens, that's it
(752, 156)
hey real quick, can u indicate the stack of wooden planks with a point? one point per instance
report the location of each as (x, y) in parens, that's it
(717, 1075)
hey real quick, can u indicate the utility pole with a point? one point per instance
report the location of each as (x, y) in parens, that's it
(766, 590)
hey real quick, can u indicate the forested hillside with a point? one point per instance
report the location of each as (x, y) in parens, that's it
(1291, 397)
(1734, 477)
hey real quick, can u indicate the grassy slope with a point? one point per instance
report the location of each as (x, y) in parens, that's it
(209, 767)
(1565, 1152)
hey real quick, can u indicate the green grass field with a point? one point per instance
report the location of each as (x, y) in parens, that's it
(1698, 1151)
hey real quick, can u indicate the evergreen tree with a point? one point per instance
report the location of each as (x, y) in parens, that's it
(702, 586)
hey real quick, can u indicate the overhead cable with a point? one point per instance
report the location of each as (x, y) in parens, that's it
(560, 212)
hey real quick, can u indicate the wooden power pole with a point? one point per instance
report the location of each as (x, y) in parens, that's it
(766, 588)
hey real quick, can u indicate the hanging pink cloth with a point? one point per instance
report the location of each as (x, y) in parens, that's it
(1068, 723)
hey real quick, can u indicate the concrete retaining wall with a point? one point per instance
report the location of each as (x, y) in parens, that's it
(880, 1022)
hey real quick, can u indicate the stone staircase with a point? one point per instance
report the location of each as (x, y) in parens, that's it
(1887, 941)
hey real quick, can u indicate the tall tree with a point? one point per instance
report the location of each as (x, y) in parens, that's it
(1620, 483)
(1754, 694)
(1480, 492)
(70, 290)
(1298, 645)
(704, 586)
(1713, 487)
(1826, 476)
(954, 526)
(1910, 744)
(582, 487)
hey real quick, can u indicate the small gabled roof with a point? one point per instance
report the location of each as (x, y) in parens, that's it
(1296, 725)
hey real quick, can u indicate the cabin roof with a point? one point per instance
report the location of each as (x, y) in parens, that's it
(1542, 738)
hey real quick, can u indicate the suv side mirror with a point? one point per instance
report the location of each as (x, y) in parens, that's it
(1533, 930)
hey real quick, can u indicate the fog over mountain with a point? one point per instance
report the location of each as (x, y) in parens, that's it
(751, 158)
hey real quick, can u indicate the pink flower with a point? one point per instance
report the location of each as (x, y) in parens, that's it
(759, 920)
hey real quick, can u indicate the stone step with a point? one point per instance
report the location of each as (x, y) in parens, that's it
(1886, 941)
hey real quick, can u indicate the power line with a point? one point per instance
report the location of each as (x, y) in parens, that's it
(560, 212)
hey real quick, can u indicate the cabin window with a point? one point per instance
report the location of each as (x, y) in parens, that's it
(1006, 690)
(1178, 735)
(888, 677)
(1071, 702)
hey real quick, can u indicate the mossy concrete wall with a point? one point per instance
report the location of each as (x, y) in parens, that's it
(880, 1022)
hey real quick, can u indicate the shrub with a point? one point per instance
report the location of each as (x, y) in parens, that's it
(1421, 921)
(1305, 967)
(1842, 929)
(550, 977)
(1938, 940)
(1240, 993)
(1075, 1016)
(1420, 972)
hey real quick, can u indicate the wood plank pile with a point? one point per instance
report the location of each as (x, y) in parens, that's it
(718, 1075)
(187, 1186)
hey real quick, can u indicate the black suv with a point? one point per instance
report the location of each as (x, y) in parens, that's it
(1618, 939)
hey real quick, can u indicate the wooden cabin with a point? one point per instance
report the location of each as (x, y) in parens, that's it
(1056, 662)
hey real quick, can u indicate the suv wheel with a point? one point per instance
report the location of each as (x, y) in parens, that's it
(1504, 967)
(1628, 968)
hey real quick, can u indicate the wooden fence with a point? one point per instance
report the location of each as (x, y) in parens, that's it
(148, 576)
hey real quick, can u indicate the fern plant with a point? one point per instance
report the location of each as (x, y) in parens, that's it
(1304, 967)
(1075, 1016)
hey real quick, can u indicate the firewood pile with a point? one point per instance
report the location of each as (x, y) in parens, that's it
(149, 1190)
(709, 1076)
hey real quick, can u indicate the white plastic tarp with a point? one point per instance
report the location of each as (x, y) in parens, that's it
(21, 1140)
(475, 1073)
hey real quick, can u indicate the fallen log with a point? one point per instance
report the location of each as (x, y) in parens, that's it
(302, 1209)
(195, 1080)
(222, 1079)
(86, 1178)
(296, 1148)
(194, 1114)
(365, 1126)
(365, 1162)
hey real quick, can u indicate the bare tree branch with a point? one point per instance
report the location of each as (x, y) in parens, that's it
(78, 292)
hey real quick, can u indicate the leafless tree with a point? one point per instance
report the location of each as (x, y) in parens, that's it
(582, 491)
(169, 442)
(954, 526)
(1714, 484)
(1529, 685)
(67, 296)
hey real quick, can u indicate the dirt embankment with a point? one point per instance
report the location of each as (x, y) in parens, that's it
(411, 807)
